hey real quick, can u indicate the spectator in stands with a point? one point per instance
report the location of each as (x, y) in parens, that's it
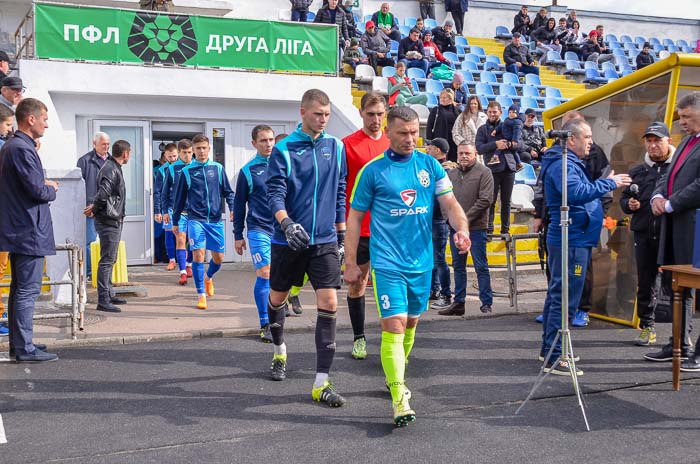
(533, 138)
(444, 37)
(4, 65)
(601, 41)
(468, 122)
(353, 55)
(522, 22)
(387, 22)
(510, 130)
(427, 8)
(11, 92)
(432, 52)
(540, 19)
(457, 8)
(517, 57)
(332, 14)
(441, 120)
(401, 92)
(157, 5)
(591, 51)
(420, 25)
(350, 18)
(546, 40)
(460, 90)
(411, 52)
(574, 40)
(300, 9)
(376, 46)
(645, 58)
(570, 19)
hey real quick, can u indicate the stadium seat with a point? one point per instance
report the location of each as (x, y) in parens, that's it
(478, 51)
(310, 16)
(484, 101)
(434, 86)
(417, 74)
(460, 40)
(469, 66)
(592, 77)
(380, 84)
(552, 92)
(410, 22)
(508, 89)
(619, 52)
(488, 76)
(655, 41)
(485, 89)
(570, 56)
(573, 68)
(364, 73)
(526, 175)
(388, 71)
(686, 49)
(367, 18)
(629, 46)
(609, 73)
(682, 43)
(423, 112)
(667, 42)
(503, 33)
(452, 56)
(610, 38)
(532, 79)
(361, 28)
(529, 102)
(625, 38)
(607, 65)
(510, 78)
(493, 59)
(461, 51)
(491, 66)
(614, 44)
(554, 58)
(627, 72)
(639, 40)
(505, 102)
(590, 65)
(472, 57)
(550, 103)
(404, 30)
(394, 47)
(430, 23)
(531, 91)
(672, 48)
(432, 100)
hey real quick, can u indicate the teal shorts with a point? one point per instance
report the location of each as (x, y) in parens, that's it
(399, 293)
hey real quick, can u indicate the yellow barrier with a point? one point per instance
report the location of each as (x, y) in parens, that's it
(119, 273)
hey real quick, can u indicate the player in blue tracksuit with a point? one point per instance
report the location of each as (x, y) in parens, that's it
(399, 188)
(172, 175)
(170, 153)
(306, 192)
(251, 194)
(204, 188)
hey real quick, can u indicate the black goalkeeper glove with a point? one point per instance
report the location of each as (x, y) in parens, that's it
(296, 236)
(341, 238)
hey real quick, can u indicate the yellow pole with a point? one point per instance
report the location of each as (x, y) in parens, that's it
(672, 93)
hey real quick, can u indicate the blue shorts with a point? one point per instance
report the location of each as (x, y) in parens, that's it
(182, 223)
(260, 248)
(168, 225)
(398, 293)
(206, 234)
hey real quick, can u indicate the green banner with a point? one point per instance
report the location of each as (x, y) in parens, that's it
(126, 36)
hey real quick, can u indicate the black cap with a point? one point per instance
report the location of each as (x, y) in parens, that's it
(530, 112)
(440, 143)
(658, 129)
(517, 34)
(4, 57)
(14, 83)
(646, 45)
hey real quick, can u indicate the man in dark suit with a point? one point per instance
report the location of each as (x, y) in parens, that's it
(26, 229)
(675, 199)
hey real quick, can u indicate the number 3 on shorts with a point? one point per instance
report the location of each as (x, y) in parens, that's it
(385, 301)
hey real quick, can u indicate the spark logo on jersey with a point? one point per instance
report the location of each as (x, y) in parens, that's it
(408, 197)
(409, 212)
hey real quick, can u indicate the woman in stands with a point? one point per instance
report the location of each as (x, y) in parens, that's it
(574, 40)
(467, 123)
(441, 120)
(546, 40)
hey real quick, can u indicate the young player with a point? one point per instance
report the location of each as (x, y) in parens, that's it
(170, 154)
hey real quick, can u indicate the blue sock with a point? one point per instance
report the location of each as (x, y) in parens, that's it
(198, 274)
(170, 244)
(181, 257)
(189, 256)
(261, 292)
(213, 268)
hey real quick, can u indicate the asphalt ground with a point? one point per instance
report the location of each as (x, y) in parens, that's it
(209, 401)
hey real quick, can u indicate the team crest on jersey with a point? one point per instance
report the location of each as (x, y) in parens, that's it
(424, 178)
(408, 197)
(326, 154)
(211, 174)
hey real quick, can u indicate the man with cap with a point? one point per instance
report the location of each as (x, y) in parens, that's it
(644, 58)
(11, 91)
(4, 65)
(534, 142)
(444, 38)
(376, 45)
(518, 58)
(591, 51)
(353, 55)
(646, 226)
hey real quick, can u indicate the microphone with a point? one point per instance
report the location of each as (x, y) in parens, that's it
(558, 134)
(634, 190)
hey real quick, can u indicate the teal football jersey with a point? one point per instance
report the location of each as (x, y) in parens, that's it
(400, 197)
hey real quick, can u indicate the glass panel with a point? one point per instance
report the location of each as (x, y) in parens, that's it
(133, 170)
(618, 124)
(219, 146)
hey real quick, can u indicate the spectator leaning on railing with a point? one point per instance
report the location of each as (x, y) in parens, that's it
(157, 5)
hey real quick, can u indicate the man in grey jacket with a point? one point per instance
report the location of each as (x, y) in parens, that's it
(376, 45)
(472, 184)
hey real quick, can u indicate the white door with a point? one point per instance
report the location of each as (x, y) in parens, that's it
(138, 176)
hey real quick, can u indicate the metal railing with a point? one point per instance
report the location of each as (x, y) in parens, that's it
(77, 283)
(24, 36)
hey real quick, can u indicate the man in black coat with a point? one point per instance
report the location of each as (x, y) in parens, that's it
(444, 38)
(518, 58)
(521, 22)
(26, 229)
(108, 209)
(675, 199)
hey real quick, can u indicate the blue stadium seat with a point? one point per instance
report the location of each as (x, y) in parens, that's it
(552, 92)
(627, 72)
(667, 42)
(461, 40)
(682, 43)
(432, 100)
(394, 47)
(491, 66)
(686, 49)
(472, 57)
(414, 85)
(503, 33)
(619, 52)
(478, 51)
(461, 51)
(310, 16)
(591, 65)
(639, 40)
(505, 102)
(485, 89)
(368, 17)
(388, 71)
(610, 74)
(452, 56)
(526, 175)
(657, 47)
(469, 66)
(573, 68)
(410, 22)
(507, 89)
(531, 91)
(484, 101)
(625, 38)
(494, 59)
(417, 74)
(655, 41)
(430, 23)
(610, 38)
(629, 46)
(554, 58)
(672, 48)
(468, 77)
(404, 30)
(532, 79)
(510, 78)
(593, 77)
(613, 44)
(434, 86)
(550, 103)
(488, 76)
(529, 102)
(570, 56)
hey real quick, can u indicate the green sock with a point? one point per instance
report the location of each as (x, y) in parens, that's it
(409, 337)
(393, 362)
(296, 290)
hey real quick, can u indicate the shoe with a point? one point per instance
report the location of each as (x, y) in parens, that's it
(183, 279)
(486, 308)
(108, 308)
(540, 319)
(326, 394)
(38, 346)
(171, 265)
(296, 304)
(434, 296)
(692, 364)
(581, 319)
(457, 309)
(359, 348)
(188, 271)
(4, 330)
(37, 357)
(665, 354)
(577, 358)
(278, 369)
(209, 287)
(118, 301)
(403, 414)
(561, 368)
(265, 335)
(442, 302)
(202, 302)
(646, 337)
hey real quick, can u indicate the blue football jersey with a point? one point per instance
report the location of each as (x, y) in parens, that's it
(400, 197)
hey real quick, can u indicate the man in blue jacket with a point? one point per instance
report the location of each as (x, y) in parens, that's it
(306, 192)
(586, 219)
(170, 155)
(203, 186)
(252, 195)
(26, 229)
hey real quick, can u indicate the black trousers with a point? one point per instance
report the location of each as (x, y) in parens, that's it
(503, 183)
(376, 62)
(109, 246)
(458, 16)
(427, 10)
(646, 251)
